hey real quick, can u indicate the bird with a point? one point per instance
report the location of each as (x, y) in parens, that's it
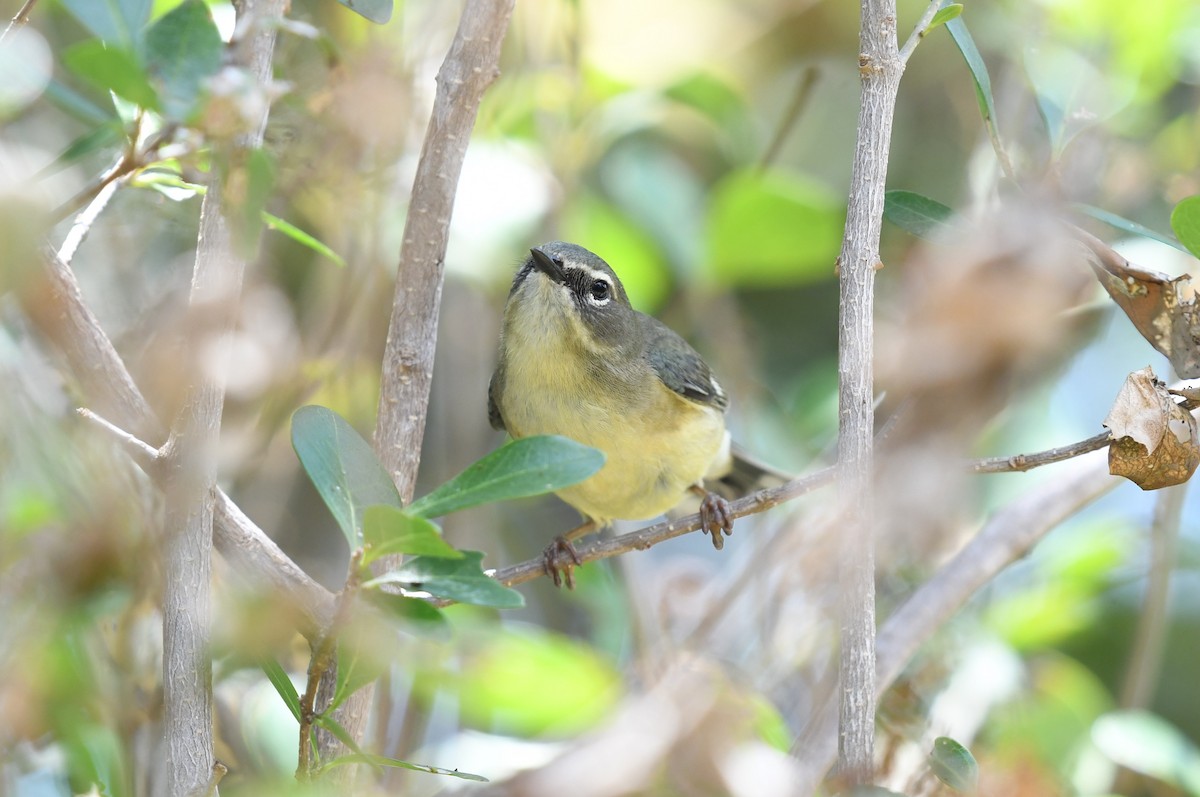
(575, 359)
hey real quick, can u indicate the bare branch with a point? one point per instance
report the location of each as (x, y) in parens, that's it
(19, 19)
(880, 68)
(190, 457)
(84, 221)
(1024, 462)
(920, 31)
(145, 455)
(470, 67)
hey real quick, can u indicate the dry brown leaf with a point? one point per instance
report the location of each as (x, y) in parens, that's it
(1164, 310)
(1154, 439)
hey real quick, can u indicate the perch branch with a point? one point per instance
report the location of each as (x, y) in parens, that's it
(651, 535)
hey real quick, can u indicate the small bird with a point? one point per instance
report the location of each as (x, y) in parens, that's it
(577, 360)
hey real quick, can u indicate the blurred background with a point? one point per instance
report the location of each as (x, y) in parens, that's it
(703, 149)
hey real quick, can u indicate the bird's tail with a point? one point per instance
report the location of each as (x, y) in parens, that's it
(747, 475)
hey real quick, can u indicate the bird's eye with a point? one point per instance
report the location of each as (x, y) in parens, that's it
(599, 290)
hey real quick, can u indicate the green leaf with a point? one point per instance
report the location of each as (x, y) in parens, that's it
(531, 682)
(387, 530)
(917, 214)
(1185, 221)
(769, 228)
(525, 467)
(97, 754)
(1122, 223)
(461, 580)
(954, 765)
(384, 761)
(342, 467)
(375, 10)
(945, 14)
(112, 69)
(979, 73)
(301, 237)
(1147, 743)
(116, 21)
(283, 685)
(183, 49)
(414, 614)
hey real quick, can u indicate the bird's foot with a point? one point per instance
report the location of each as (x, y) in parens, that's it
(559, 560)
(716, 518)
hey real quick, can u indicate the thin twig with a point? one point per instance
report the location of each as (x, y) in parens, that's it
(323, 653)
(145, 455)
(1024, 462)
(84, 221)
(19, 19)
(920, 31)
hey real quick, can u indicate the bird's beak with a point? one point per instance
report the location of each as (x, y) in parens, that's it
(547, 265)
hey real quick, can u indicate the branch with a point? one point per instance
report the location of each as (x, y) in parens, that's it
(1024, 462)
(471, 64)
(920, 31)
(1007, 537)
(190, 454)
(470, 67)
(19, 19)
(649, 536)
(880, 68)
(84, 221)
(145, 455)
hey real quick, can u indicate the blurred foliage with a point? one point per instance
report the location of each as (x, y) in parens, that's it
(689, 146)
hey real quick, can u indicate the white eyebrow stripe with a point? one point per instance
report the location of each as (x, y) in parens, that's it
(595, 274)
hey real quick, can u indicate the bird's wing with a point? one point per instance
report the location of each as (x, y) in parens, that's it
(495, 385)
(680, 367)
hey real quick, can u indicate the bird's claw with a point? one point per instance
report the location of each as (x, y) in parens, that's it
(716, 518)
(559, 560)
